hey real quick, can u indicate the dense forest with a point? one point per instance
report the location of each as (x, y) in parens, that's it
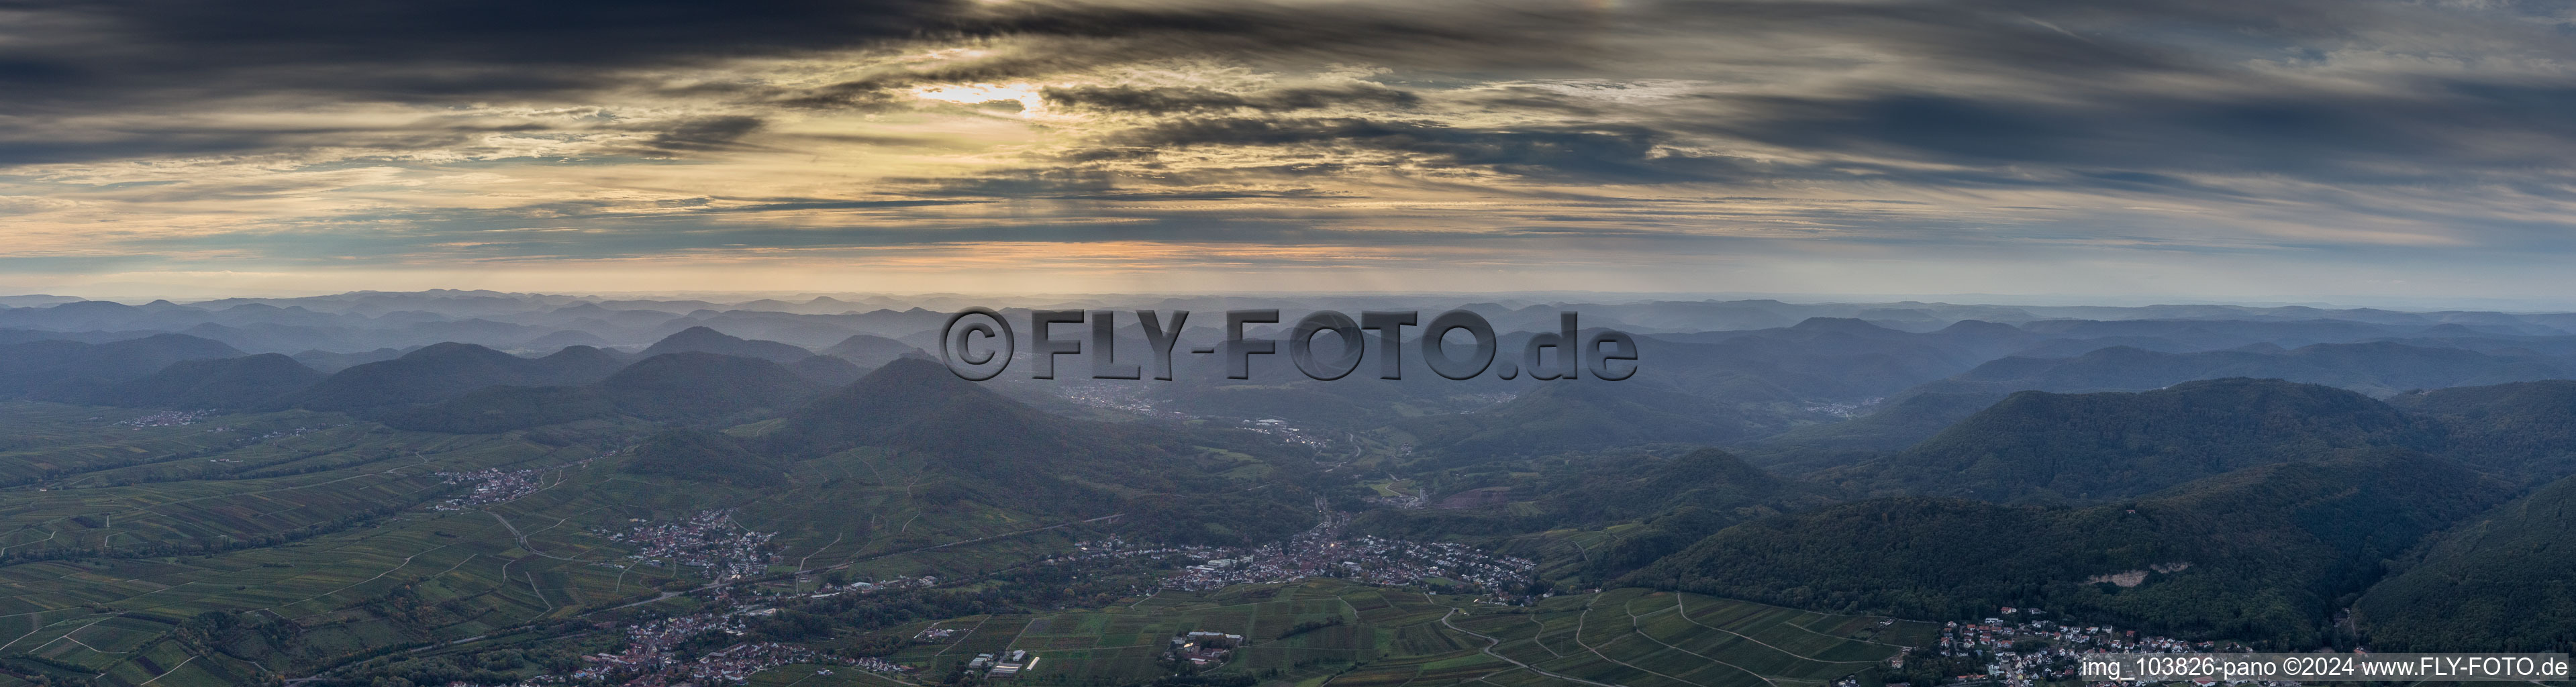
(2506, 578)
(2266, 554)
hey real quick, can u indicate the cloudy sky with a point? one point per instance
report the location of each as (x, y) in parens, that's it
(2214, 149)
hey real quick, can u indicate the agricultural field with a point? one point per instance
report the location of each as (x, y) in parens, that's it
(1328, 632)
(118, 533)
(291, 544)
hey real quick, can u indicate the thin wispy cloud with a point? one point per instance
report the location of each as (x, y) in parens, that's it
(1444, 142)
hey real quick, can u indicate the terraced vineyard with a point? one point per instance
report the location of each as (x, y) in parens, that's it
(1660, 639)
(295, 517)
(323, 542)
(1328, 632)
(119, 534)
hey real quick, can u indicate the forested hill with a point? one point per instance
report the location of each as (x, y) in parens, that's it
(256, 381)
(51, 369)
(2503, 580)
(2049, 448)
(2259, 554)
(449, 370)
(2526, 429)
(1191, 484)
(2378, 368)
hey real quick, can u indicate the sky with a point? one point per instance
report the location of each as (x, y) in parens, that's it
(2223, 150)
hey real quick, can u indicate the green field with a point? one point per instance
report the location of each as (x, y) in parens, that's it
(320, 529)
(1381, 636)
(116, 534)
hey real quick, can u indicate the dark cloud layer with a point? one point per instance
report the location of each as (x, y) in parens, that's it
(1604, 153)
(410, 50)
(1193, 100)
(623, 129)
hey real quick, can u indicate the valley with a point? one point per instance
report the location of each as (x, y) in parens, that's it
(733, 510)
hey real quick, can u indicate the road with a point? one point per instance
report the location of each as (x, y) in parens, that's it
(514, 532)
(1492, 642)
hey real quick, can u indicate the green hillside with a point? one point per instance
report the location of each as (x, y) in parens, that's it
(695, 454)
(2260, 554)
(869, 351)
(2525, 429)
(2503, 580)
(2378, 368)
(1582, 415)
(703, 387)
(1386, 637)
(449, 370)
(244, 383)
(494, 409)
(1593, 517)
(1893, 427)
(708, 340)
(2051, 448)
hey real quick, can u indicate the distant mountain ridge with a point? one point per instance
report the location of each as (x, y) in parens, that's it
(69, 369)
(446, 371)
(691, 388)
(871, 351)
(2379, 369)
(2043, 447)
(2504, 580)
(522, 322)
(244, 383)
(703, 386)
(703, 339)
(1584, 415)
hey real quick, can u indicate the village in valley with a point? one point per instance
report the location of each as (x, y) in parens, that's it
(489, 486)
(709, 541)
(1324, 551)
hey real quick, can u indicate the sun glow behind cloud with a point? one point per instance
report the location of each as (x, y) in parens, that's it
(1871, 145)
(1032, 102)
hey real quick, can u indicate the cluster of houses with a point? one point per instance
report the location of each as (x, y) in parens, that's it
(648, 645)
(168, 418)
(649, 659)
(1001, 667)
(490, 486)
(734, 664)
(2030, 649)
(708, 540)
(877, 665)
(1119, 397)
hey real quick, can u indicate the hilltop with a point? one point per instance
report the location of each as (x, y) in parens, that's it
(2258, 554)
(2503, 580)
(701, 339)
(2043, 447)
(448, 370)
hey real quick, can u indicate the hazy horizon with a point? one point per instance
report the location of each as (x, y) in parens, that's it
(2417, 304)
(1286, 343)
